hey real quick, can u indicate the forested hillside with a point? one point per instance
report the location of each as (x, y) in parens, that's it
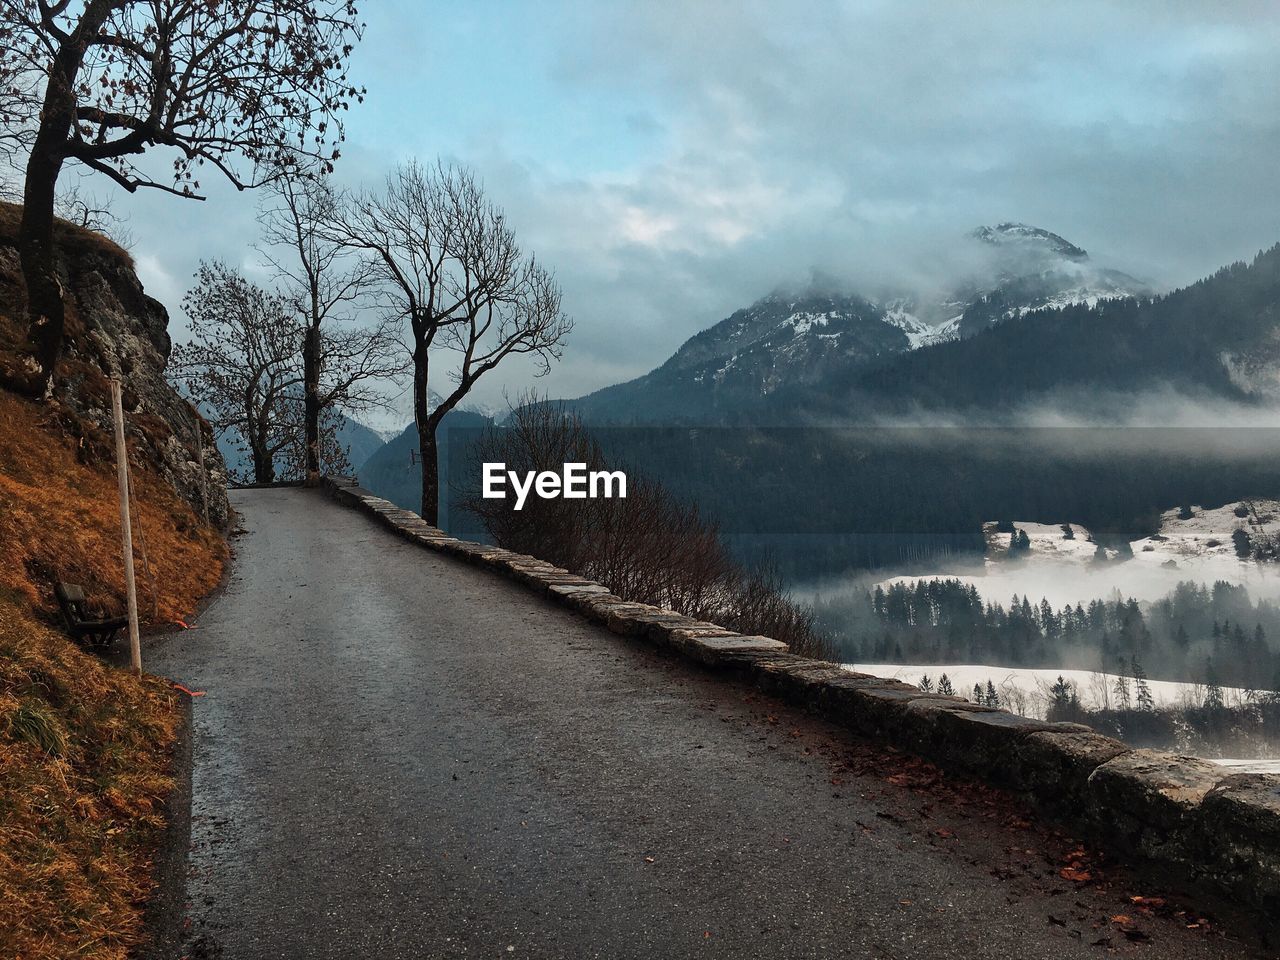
(1217, 337)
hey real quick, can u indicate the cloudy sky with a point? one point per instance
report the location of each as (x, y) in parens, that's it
(674, 161)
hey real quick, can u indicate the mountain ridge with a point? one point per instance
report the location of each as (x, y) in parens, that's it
(793, 340)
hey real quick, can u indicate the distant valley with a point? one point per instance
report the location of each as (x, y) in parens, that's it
(800, 386)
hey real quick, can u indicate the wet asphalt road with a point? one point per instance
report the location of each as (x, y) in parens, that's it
(400, 756)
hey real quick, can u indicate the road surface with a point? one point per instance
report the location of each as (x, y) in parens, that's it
(399, 756)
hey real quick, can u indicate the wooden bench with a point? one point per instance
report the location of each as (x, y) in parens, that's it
(82, 624)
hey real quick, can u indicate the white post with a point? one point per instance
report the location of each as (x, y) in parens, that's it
(204, 476)
(122, 474)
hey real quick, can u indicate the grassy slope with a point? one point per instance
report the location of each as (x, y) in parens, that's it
(85, 750)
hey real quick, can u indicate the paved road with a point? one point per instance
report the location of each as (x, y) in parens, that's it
(401, 756)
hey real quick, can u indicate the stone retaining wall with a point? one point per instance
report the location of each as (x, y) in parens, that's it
(1211, 824)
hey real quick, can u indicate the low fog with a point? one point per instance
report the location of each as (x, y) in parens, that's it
(1064, 583)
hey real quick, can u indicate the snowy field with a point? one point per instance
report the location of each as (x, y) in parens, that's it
(1252, 766)
(1030, 688)
(1026, 691)
(1064, 570)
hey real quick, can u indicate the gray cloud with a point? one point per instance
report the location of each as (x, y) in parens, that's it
(688, 157)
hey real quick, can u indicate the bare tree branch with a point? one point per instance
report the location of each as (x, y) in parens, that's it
(253, 89)
(241, 364)
(342, 361)
(449, 269)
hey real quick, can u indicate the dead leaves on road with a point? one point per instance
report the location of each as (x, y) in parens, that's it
(1076, 869)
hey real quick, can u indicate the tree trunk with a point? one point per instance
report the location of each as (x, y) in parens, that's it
(311, 402)
(36, 252)
(430, 511)
(432, 432)
(429, 451)
(37, 255)
(264, 468)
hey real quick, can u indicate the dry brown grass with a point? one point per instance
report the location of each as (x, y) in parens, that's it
(85, 750)
(60, 520)
(84, 769)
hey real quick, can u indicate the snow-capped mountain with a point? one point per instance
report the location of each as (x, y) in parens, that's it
(1029, 241)
(1034, 269)
(784, 339)
(805, 336)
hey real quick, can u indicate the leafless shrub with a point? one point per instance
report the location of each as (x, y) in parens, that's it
(649, 547)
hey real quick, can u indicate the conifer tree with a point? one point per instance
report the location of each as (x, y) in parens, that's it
(1213, 699)
(1146, 702)
(1063, 703)
(1180, 637)
(1120, 690)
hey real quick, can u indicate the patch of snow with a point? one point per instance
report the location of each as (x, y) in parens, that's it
(802, 322)
(1248, 766)
(1207, 533)
(919, 333)
(1026, 690)
(944, 332)
(1048, 540)
(1065, 570)
(917, 330)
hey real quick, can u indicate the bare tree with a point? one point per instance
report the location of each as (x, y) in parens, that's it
(252, 88)
(241, 364)
(326, 282)
(449, 268)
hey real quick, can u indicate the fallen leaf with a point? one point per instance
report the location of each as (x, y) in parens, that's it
(1075, 875)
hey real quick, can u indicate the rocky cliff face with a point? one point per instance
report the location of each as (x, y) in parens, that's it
(115, 330)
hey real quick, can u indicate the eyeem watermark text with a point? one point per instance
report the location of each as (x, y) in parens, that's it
(574, 482)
